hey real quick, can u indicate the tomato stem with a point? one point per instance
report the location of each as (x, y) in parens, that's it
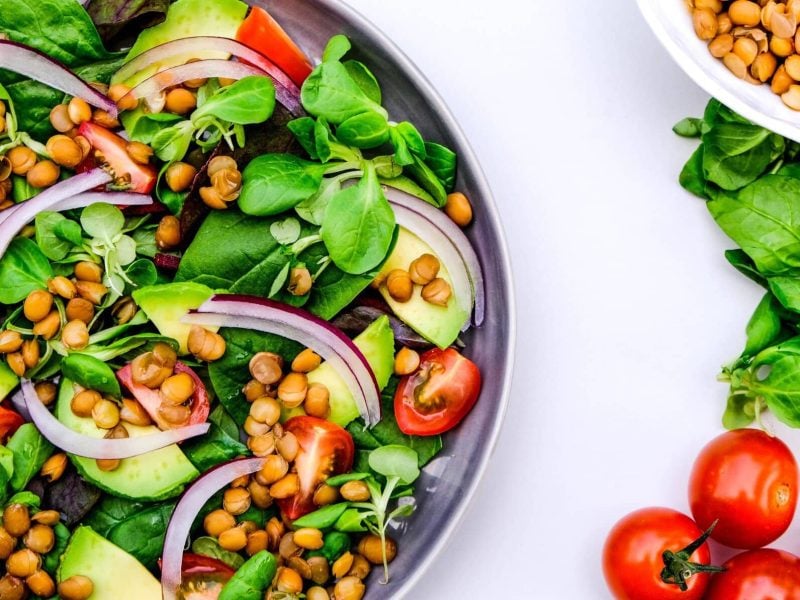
(677, 566)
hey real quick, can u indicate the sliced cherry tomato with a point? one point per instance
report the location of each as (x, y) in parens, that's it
(113, 148)
(748, 480)
(763, 574)
(263, 33)
(438, 395)
(203, 577)
(633, 556)
(10, 421)
(151, 399)
(325, 450)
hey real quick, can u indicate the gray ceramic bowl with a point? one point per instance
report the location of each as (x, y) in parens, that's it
(449, 482)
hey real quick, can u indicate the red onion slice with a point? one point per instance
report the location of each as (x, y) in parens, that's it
(200, 44)
(81, 445)
(204, 69)
(453, 239)
(260, 314)
(186, 512)
(40, 67)
(47, 200)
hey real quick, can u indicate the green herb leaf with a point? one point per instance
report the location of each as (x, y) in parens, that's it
(247, 101)
(764, 326)
(23, 269)
(103, 221)
(336, 48)
(365, 80)
(30, 450)
(367, 130)
(274, 183)
(53, 246)
(172, 143)
(395, 461)
(331, 93)
(443, 162)
(287, 231)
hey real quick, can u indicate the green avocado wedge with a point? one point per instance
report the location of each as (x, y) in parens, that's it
(114, 573)
(156, 475)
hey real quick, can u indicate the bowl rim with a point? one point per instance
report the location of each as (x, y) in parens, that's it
(691, 65)
(489, 210)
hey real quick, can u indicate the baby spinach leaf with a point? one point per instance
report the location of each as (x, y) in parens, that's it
(52, 559)
(412, 138)
(692, 178)
(230, 373)
(51, 244)
(443, 162)
(142, 534)
(745, 265)
(688, 127)
(110, 512)
(30, 450)
(364, 79)
(336, 48)
(303, 130)
(142, 273)
(423, 174)
(68, 231)
(213, 449)
(171, 143)
(144, 127)
(91, 373)
(251, 579)
(764, 326)
(208, 546)
(367, 130)
(736, 154)
(274, 183)
(359, 225)
(764, 220)
(220, 417)
(23, 268)
(247, 101)
(330, 92)
(286, 231)
(402, 154)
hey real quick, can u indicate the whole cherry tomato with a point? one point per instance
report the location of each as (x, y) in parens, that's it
(763, 574)
(652, 553)
(748, 480)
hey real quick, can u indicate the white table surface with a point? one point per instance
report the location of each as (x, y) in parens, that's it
(627, 307)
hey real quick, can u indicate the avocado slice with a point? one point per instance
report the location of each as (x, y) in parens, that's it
(8, 380)
(166, 304)
(439, 325)
(153, 476)
(114, 573)
(376, 342)
(188, 18)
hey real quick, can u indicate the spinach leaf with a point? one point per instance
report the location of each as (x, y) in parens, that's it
(212, 449)
(764, 326)
(52, 559)
(171, 143)
(274, 183)
(365, 80)
(146, 126)
(30, 450)
(220, 417)
(91, 373)
(110, 512)
(745, 265)
(412, 138)
(359, 225)
(230, 373)
(330, 92)
(764, 220)
(692, 178)
(423, 174)
(252, 579)
(208, 546)
(367, 130)
(443, 162)
(689, 127)
(736, 154)
(23, 268)
(142, 533)
(33, 23)
(247, 101)
(303, 131)
(50, 243)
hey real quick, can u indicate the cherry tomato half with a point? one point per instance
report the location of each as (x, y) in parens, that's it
(438, 395)
(325, 449)
(633, 555)
(10, 421)
(115, 153)
(202, 577)
(151, 399)
(763, 574)
(748, 480)
(263, 33)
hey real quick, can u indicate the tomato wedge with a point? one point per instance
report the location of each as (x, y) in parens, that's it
(10, 421)
(263, 33)
(203, 577)
(436, 397)
(151, 399)
(115, 153)
(325, 449)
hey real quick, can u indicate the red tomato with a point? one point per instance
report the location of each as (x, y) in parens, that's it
(10, 421)
(438, 395)
(763, 574)
(113, 148)
(202, 577)
(151, 399)
(263, 33)
(748, 480)
(633, 561)
(325, 449)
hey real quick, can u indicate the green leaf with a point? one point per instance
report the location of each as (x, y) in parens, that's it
(213, 449)
(736, 154)
(245, 102)
(172, 143)
(69, 231)
(52, 559)
(339, 480)
(367, 130)
(30, 450)
(764, 221)
(53, 246)
(252, 579)
(443, 162)
(287, 231)
(395, 461)
(412, 138)
(359, 225)
(424, 176)
(330, 92)
(692, 178)
(91, 373)
(101, 220)
(322, 518)
(689, 127)
(23, 269)
(142, 534)
(208, 546)
(764, 326)
(142, 273)
(745, 265)
(26, 498)
(402, 154)
(336, 48)
(364, 79)
(351, 521)
(274, 183)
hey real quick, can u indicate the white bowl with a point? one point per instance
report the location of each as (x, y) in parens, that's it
(671, 21)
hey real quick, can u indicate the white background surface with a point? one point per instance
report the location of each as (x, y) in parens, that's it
(627, 307)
